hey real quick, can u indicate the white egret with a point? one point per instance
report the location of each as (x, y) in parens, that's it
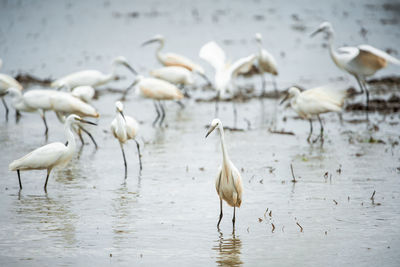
(51, 155)
(224, 73)
(172, 59)
(158, 90)
(266, 63)
(361, 61)
(228, 182)
(92, 78)
(43, 100)
(314, 102)
(6, 82)
(176, 75)
(124, 128)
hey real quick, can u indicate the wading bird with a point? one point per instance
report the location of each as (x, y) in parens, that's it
(92, 78)
(84, 93)
(158, 90)
(172, 59)
(7, 82)
(228, 183)
(124, 128)
(43, 100)
(224, 73)
(51, 155)
(174, 74)
(361, 61)
(265, 63)
(314, 102)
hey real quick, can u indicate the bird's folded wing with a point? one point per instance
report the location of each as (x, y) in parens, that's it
(213, 54)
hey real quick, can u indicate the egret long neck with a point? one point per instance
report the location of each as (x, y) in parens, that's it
(158, 51)
(332, 51)
(70, 137)
(225, 157)
(121, 124)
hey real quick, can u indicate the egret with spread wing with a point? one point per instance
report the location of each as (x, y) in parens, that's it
(361, 61)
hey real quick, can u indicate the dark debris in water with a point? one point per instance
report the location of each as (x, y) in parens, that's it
(26, 78)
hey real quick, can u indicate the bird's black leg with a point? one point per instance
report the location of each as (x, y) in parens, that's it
(123, 154)
(45, 122)
(234, 218)
(80, 136)
(180, 104)
(6, 107)
(17, 116)
(275, 86)
(367, 104)
(220, 214)
(47, 178)
(158, 113)
(311, 129)
(234, 114)
(19, 180)
(162, 113)
(216, 103)
(359, 84)
(90, 135)
(321, 135)
(139, 155)
(263, 85)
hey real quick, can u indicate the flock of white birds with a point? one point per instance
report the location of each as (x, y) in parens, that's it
(71, 96)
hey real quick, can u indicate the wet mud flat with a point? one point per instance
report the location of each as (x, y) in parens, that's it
(338, 207)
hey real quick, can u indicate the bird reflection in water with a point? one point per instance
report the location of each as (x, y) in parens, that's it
(229, 250)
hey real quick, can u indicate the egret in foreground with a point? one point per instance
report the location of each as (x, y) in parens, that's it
(361, 61)
(266, 63)
(158, 90)
(7, 82)
(172, 59)
(313, 102)
(124, 128)
(228, 183)
(92, 78)
(51, 155)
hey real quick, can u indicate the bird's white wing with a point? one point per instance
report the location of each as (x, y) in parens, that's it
(313, 103)
(80, 78)
(332, 93)
(40, 158)
(38, 99)
(65, 102)
(159, 89)
(237, 182)
(241, 64)
(132, 126)
(85, 93)
(379, 53)
(213, 54)
(7, 81)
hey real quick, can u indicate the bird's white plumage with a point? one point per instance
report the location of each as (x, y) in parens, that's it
(7, 81)
(316, 101)
(266, 62)
(213, 54)
(157, 89)
(174, 74)
(84, 93)
(123, 127)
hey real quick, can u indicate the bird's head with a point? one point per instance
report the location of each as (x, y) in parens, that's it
(156, 38)
(120, 108)
(13, 92)
(76, 119)
(292, 92)
(120, 60)
(258, 37)
(214, 124)
(325, 27)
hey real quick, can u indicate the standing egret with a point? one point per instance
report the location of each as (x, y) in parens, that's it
(7, 82)
(172, 59)
(43, 100)
(361, 61)
(51, 155)
(92, 78)
(228, 182)
(224, 73)
(266, 63)
(314, 102)
(124, 128)
(158, 90)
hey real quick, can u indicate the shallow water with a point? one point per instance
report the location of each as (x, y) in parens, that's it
(168, 213)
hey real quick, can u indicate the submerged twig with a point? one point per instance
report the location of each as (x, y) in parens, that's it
(294, 178)
(301, 228)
